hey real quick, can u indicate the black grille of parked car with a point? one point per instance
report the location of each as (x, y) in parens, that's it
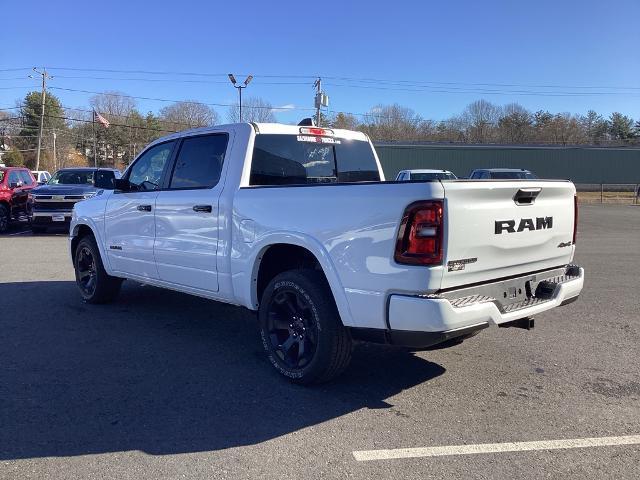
(49, 205)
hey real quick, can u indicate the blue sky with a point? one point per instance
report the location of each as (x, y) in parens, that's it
(457, 45)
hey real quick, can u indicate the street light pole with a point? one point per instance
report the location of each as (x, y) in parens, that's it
(45, 77)
(240, 88)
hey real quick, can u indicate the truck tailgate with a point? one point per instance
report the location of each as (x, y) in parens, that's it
(496, 229)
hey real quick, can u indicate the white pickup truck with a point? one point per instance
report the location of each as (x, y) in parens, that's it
(298, 223)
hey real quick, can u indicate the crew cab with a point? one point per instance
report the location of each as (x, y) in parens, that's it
(53, 202)
(15, 185)
(299, 224)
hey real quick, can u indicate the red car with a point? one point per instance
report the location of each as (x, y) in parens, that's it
(15, 184)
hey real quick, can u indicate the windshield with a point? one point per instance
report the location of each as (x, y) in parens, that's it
(433, 176)
(507, 175)
(72, 177)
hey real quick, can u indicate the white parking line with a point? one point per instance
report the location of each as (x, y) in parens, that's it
(368, 455)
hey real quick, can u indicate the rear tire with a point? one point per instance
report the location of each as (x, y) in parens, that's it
(4, 218)
(301, 328)
(95, 285)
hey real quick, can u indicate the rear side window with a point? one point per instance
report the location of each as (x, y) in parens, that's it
(199, 162)
(287, 160)
(14, 177)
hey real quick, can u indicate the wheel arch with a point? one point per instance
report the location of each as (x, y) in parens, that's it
(81, 229)
(285, 253)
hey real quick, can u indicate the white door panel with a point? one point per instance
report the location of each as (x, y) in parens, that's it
(186, 240)
(130, 233)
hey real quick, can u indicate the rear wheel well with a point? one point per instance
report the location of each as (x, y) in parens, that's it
(82, 231)
(281, 257)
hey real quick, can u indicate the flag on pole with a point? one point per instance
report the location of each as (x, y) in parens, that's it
(101, 119)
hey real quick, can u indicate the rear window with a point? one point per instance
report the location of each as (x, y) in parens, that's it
(288, 160)
(1, 175)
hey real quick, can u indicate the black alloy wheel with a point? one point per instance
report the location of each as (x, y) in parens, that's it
(292, 330)
(95, 284)
(301, 329)
(87, 272)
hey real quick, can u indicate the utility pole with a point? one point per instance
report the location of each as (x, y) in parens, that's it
(55, 161)
(45, 76)
(318, 85)
(321, 100)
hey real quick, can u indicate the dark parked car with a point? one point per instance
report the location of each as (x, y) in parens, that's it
(53, 202)
(15, 185)
(501, 174)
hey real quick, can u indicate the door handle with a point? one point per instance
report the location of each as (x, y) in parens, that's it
(144, 208)
(202, 208)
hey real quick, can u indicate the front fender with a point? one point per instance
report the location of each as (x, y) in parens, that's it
(91, 216)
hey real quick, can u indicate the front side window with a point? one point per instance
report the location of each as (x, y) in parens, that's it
(300, 160)
(146, 172)
(199, 162)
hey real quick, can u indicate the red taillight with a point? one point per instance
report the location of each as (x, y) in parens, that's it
(575, 218)
(420, 236)
(315, 131)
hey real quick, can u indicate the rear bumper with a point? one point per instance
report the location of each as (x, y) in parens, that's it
(460, 312)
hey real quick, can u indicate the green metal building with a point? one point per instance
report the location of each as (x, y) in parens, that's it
(580, 164)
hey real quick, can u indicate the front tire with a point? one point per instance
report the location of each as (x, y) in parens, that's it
(5, 217)
(301, 328)
(95, 285)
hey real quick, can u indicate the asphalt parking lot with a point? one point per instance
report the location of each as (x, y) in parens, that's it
(163, 385)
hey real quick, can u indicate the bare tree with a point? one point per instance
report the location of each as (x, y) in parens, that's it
(113, 103)
(188, 114)
(481, 118)
(515, 125)
(392, 123)
(254, 109)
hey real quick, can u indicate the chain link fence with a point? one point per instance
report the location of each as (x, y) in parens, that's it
(617, 193)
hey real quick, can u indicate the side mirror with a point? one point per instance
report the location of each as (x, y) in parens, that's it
(122, 184)
(106, 180)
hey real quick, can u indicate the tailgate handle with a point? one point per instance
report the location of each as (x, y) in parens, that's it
(526, 196)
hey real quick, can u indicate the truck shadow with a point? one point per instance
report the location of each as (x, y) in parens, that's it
(160, 372)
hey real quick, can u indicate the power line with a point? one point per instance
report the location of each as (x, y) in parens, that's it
(353, 79)
(485, 91)
(170, 100)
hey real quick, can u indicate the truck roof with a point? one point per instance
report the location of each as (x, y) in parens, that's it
(264, 128)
